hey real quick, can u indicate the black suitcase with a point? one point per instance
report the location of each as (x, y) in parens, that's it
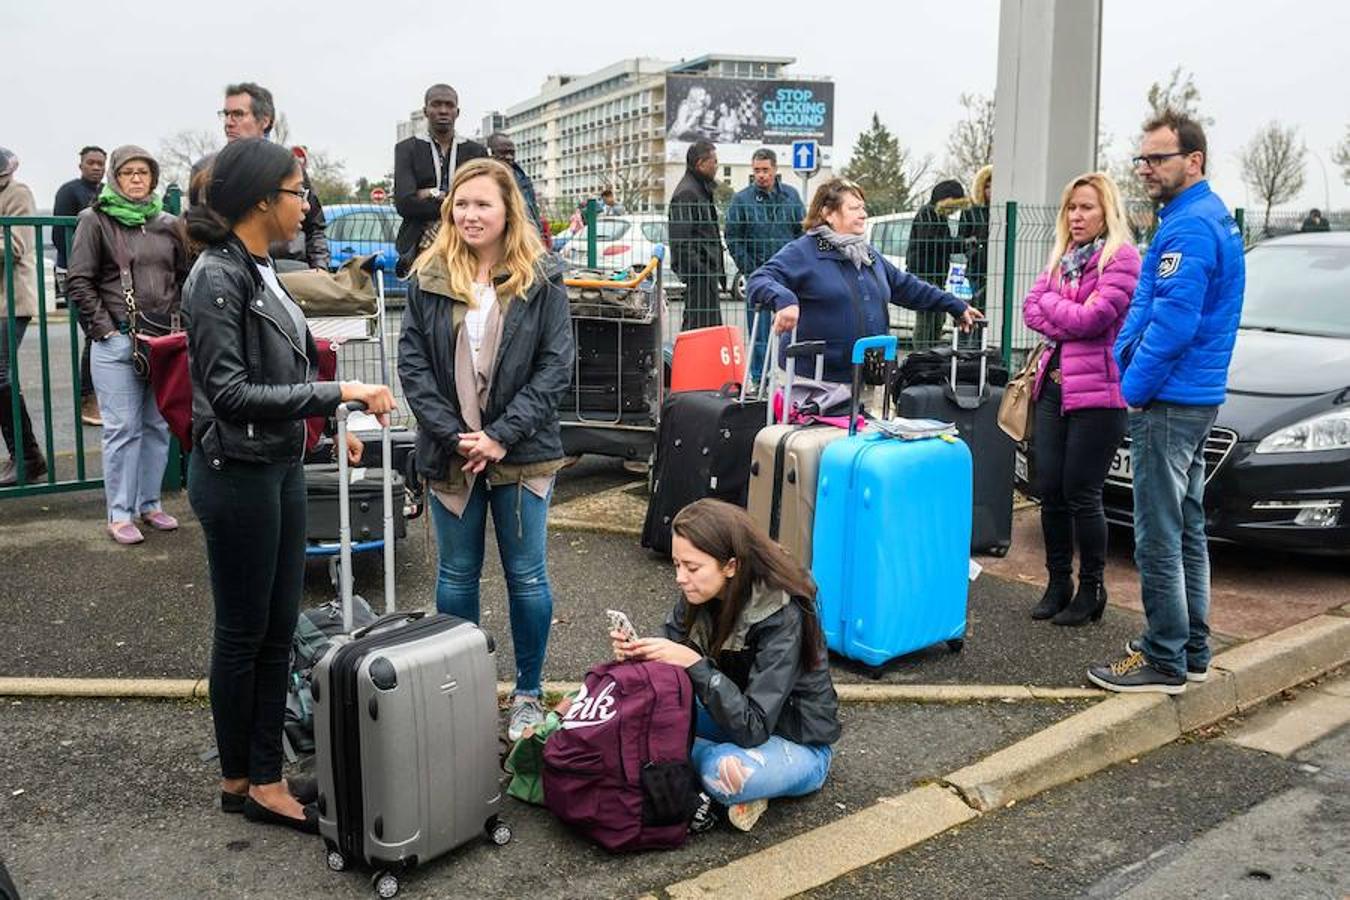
(365, 502)
(974, 410)
(704, 446)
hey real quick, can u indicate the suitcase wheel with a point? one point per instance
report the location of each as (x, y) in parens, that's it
(955, 644)
(385, 884)
(336, 861)
(497, 831)
(999, 551)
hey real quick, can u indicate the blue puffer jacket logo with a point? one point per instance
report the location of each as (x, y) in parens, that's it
(1178, 336)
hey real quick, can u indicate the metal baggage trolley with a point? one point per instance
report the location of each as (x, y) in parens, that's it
(620, 375)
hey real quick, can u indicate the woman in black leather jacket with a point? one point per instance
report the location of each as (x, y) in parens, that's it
(253, 364)
(747, 633)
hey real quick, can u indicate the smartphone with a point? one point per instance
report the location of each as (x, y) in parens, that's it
(618, 621)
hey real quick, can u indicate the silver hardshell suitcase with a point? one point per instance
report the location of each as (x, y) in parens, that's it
(405, 732)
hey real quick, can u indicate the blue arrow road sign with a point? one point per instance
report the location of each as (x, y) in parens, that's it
(805, 156)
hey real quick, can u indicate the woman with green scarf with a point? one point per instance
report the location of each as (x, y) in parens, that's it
(128, 250)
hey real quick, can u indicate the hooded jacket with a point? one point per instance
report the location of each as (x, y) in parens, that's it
(1085, 331)
(757, 687)
(155, 250)
(532, 371)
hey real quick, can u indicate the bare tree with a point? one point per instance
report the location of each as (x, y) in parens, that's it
(1340, 154)
(970, 146)
(1273, 165)
(328, 177)
(1180, 94)
(180, 150)
(281, 130)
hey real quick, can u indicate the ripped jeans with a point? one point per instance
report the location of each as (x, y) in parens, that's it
(776, 768)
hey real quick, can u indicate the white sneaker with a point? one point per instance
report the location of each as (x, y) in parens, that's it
(526, 713)
(743, 816)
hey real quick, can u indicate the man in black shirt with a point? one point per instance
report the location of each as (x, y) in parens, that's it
(72, 197)
(424, 166)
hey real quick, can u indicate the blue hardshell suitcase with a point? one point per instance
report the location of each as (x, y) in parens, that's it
(892, 539)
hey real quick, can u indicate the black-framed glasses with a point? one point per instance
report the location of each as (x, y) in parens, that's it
(1153, 159)
(303, 193)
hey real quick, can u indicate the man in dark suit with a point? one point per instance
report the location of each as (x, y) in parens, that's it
(696, 239)
(424, 166)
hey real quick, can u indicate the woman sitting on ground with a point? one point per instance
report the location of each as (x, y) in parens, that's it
(747, 633)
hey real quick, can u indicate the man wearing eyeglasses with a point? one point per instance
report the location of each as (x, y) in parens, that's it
(1173, 352)
(249, 112)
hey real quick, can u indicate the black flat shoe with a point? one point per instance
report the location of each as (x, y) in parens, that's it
(232, 803)
(256, 812)
(306, 790)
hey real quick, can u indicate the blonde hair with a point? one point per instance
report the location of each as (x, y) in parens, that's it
(1113, 219)
(829, 197)
(521, 250)
(979, 188)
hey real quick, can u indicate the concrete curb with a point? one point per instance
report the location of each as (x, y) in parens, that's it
(188, 689)
(559, 523)
(1117, 729)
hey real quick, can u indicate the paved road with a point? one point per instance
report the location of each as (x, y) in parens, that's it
(1201, 818)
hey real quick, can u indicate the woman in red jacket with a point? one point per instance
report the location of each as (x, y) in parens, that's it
(1078, 303)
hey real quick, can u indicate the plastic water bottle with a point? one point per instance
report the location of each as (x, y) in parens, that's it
(957, 284)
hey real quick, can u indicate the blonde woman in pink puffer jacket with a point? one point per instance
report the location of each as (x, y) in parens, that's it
(1078, 304)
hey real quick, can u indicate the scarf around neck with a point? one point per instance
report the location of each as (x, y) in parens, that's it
(854, 246)
(127, 211)
(1074, 260)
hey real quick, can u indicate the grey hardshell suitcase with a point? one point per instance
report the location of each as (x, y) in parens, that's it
(405, 729)
(783, 470)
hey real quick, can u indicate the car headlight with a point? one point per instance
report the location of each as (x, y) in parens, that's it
(1329, 431)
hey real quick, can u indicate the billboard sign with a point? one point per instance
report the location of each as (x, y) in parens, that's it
(748, 111)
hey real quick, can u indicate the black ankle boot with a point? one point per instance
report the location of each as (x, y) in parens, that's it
(1057, 595)
(1087, 606)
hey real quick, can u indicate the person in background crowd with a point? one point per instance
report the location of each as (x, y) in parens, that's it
(72, 197)
(250, 112)
(1173, 352)
(253, 365)
(424, 166)
(1078, 304)
(746, 630)
(127, 227)
(485, 358)
(832, 286)
(761, 219)
(17, 200)
(1315, 222)
(695, 240)
(930, 248)
(608, 205)
(972, 231)
(504, 149)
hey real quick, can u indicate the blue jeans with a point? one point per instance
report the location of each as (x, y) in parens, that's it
(762, 322)
(135, 435)
(520, 520)
(1170, 549)
(777, 767)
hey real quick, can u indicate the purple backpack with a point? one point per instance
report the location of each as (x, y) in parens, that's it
(617, 769)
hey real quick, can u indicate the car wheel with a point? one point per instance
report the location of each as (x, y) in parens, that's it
(738, 288)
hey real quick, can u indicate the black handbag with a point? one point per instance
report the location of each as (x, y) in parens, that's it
(140, 324)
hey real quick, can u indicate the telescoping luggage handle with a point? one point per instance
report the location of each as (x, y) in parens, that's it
(966, 403)
(344, 410)
(794, 351)
(888, 345)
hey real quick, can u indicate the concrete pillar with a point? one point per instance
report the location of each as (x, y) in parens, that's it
(1045, 133)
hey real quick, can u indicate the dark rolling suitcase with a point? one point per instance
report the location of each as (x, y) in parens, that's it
(974, 410)
(405, 729)
(365, 501)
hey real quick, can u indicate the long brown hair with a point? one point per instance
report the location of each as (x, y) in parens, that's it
(726, 532)
(521, 251)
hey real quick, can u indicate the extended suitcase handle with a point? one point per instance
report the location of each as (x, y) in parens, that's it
(966, 402)
(389, 619)
(888, 345)
(341, 414)
(794, 351)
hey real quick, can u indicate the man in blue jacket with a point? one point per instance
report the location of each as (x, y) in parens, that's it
(1173, 352)
(760, 221)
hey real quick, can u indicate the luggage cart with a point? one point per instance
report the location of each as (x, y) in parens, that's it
(619, 378)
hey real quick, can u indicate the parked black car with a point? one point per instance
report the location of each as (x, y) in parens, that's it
(1278, 458)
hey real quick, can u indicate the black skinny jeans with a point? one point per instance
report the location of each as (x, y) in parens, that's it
(253, 516)
(1073, 455)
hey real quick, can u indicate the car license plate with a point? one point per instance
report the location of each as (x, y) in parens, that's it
(1121, 468)
(1020, 466)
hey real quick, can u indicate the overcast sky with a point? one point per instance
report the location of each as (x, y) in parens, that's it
(345, 73)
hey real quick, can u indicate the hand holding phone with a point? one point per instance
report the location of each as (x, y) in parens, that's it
(618, 622)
